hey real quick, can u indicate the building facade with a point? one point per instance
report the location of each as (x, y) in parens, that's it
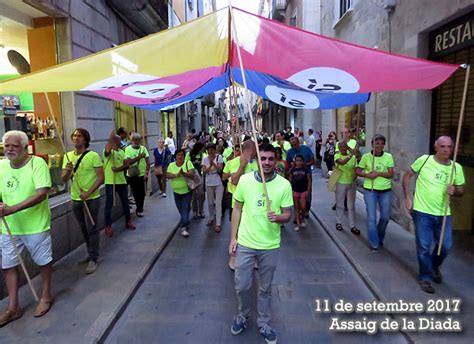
(50, 32)
(411, 120)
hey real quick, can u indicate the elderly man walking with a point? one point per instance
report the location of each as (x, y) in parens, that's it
(433, 188)
(24, 184)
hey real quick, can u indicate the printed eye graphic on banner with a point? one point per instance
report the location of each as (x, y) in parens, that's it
(150, 91)
(119, 81)
(325, 79)
(291, 98)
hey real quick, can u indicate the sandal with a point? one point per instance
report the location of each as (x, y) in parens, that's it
(43, 307)
(9, 316)
(339, 227)
(355, 231)
(218, 229)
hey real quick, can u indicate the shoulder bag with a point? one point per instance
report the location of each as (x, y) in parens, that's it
(194, 181)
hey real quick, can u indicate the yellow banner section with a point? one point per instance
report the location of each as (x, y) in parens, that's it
(199, 44)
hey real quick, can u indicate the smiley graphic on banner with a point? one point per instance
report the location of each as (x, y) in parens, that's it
(291, 98)
(149, 91)
(119, 81)
(325, 79)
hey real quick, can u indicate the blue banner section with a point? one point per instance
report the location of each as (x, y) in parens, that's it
(289, 95)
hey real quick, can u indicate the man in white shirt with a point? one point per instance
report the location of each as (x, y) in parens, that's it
(311, 141)
(169, 143)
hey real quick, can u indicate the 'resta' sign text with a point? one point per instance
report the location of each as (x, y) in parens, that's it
(453, 36)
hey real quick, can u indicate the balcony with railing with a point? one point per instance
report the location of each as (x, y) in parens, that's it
(279, 9)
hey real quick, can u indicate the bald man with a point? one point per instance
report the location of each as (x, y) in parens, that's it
(433, 187)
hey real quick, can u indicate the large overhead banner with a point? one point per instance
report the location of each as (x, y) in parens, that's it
(288, 66)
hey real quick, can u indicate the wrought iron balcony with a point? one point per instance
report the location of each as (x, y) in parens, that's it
(281, 4)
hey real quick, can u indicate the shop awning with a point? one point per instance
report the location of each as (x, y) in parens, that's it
(286, 65)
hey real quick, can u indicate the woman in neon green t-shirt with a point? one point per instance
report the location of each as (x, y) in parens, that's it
(182, 195)
(377, 169)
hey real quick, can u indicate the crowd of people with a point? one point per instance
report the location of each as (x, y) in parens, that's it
(230, 171)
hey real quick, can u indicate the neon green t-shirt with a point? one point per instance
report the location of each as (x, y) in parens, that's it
(382, 164)
(347, 176)
(432, 184)
(232, 166)
(132, 153)
(286, 148)
(16, 185)
(179, 184)
(85, 174)
(114, 159)
(255, 230)
(352, 143)
(227, 152)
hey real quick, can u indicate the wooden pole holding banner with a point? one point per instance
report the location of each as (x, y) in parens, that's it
(63, 146)
(456, 148)
(113, 174)
(373, 136)
(22, 263)
(252, 120)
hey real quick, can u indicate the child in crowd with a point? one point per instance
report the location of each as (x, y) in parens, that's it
(281, 166)
(300, 180)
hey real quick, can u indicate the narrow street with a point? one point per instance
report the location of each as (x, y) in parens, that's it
(189, 295)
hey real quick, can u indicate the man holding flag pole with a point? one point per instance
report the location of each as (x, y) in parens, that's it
(433, 186)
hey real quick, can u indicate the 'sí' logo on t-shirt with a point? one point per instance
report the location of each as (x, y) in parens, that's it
(11, 184)
(261, 201)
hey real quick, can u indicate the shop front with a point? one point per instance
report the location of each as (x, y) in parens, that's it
(454, 43)
(28, 43)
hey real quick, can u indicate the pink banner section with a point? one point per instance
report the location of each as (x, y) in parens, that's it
(132, 90)
(317, 63)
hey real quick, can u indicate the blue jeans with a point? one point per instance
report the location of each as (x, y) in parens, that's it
(183, 203)
(376, 233)
(427, 229)
(122, 191)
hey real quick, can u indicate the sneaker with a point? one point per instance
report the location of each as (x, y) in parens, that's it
(184, 233)
(108, 231)
(91, 267)
(8, 316)
(437, 276)
(303, 224)
(163, 195)
(268, 334)
(296, 228)
(139, 214)
(84, 261)
(427, 287)
(240, 324)
(130, 225)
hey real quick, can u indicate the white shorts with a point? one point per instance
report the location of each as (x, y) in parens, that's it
(39, 246)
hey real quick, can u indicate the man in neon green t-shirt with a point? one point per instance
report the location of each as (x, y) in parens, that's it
(377, 169)
(345, 189)
(434, 185)
(24, 184)
(88, 176)
(258, 225)
(234, 169)
(138, 171)
(282, 143)
(114, 166)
